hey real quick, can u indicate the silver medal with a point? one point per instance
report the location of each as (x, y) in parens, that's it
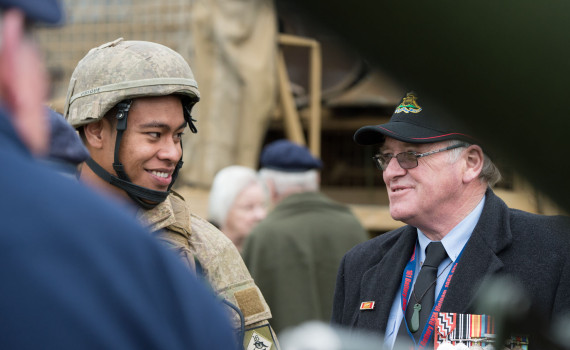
(446, 346)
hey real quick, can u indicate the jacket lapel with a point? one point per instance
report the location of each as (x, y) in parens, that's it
(382, 281)
(479, 258)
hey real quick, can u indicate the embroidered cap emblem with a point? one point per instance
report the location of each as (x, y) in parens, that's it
(367, 305)
(409, 104)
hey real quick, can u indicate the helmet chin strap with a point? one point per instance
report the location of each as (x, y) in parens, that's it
(144, 197)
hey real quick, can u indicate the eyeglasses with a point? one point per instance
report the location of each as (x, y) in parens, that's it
(408, 160)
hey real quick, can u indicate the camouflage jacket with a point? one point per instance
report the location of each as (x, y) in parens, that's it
(196, 240)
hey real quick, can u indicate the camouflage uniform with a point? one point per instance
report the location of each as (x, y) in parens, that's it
(114, 74)
(194, 238)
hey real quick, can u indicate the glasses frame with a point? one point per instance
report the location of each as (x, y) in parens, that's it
(376, 158)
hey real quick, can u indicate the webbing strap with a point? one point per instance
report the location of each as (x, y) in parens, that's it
(137, 193)
(122, 117)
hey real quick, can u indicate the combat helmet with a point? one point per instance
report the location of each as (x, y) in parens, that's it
(114, 74)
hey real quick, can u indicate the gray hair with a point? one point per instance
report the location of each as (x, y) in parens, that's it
(227, 185)
(490, 174)
(306, 181)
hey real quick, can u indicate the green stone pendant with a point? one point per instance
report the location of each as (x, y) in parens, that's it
(416, 318)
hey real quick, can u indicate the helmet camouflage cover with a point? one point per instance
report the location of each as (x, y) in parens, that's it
(121, 70)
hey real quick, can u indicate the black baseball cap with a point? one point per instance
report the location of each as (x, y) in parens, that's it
(414, 121)
(48, 12)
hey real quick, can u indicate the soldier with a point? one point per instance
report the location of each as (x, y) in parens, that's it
(131, 102)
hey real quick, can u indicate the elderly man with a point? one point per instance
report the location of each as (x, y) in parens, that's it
(458, 231)
(294, 253)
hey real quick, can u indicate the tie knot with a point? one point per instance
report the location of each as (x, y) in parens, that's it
(435, 254)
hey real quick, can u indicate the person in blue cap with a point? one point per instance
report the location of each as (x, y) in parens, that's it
(458, 234)
(76, 272)
(294, 253)
(66, 151)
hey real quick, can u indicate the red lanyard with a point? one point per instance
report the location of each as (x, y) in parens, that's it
(427, 334)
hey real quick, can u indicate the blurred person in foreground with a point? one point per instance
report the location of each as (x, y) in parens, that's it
(131, 102)
(295, 251)
(458, 232)
(76, 273)
(237, 202)
(317, 335)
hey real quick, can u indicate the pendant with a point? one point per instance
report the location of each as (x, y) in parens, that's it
(415, 318)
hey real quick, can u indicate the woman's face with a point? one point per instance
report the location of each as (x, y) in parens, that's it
(247, 210)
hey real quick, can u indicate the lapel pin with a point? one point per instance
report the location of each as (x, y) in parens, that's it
(367, 305)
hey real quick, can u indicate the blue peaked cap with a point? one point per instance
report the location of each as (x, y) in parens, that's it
(65, 144)
(284, 155)
(38, 11)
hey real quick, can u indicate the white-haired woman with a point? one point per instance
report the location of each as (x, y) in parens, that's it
(237, 202)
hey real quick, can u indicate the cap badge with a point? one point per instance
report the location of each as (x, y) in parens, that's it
(367, 305)
(409, 104)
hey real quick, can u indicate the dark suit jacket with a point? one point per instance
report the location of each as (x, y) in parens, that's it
(532, 248)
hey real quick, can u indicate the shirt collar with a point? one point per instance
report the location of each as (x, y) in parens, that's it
(456, 239)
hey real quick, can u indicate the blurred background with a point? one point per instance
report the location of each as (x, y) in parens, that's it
(268, 70)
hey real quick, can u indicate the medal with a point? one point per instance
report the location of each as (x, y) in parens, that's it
(461, 346)
(446, 346)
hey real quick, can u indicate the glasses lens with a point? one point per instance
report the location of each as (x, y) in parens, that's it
(407, 160)
(380, 161)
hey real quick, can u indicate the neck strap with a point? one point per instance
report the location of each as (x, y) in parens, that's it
(137, 193)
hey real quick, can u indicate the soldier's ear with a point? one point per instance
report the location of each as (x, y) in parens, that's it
(94, 134)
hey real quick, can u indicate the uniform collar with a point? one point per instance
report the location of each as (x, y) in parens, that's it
(456, 239)
(172, 214)
(158, 217)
